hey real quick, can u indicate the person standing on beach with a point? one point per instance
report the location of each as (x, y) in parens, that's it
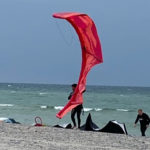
(144, 121)
(77, 110)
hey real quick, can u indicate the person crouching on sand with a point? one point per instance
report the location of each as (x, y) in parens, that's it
(77, 110)
(144, 121)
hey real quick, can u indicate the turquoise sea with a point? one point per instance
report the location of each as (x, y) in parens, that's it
(24, 102)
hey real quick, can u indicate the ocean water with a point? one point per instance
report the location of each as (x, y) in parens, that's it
(24, 102)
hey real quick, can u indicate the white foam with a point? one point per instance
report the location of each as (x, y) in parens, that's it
(43, 107)
(98, 109)
(87, 109)
(122, 110)
(42, 93)
(58, 107)
(6, 105)
(9, 85)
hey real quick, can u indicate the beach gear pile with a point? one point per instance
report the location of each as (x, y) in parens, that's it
(64, 126)
(8, 120)
(112, 126)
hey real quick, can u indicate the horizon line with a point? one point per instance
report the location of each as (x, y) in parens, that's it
(102, 85)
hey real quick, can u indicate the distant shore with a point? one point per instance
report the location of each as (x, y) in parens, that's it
(21, 137)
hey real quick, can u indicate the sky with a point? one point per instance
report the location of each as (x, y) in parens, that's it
(37, 48)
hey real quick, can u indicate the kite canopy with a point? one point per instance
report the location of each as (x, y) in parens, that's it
(114, 127)
(89, 125)
(91, 53)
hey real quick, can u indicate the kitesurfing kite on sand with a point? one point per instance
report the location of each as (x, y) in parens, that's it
(91, 53)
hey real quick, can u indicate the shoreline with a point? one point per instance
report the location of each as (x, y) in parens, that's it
(16, 137)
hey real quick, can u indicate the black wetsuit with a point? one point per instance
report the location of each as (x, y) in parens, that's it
(144, 121)
(77, 110)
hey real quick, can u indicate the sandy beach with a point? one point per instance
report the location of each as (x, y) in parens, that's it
(23, 137)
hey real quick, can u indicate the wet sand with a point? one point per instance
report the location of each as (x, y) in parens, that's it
(22, 137)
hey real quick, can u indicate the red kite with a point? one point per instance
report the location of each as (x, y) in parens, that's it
(91, 53)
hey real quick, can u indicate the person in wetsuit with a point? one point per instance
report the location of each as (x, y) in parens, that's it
(144, 121)
(77, 110)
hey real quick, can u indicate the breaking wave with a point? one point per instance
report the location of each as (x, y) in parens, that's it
(44, 107)
(42, 93)
(92, 109)
(51, 107)
(98, 109)
(86, 109)
(58, 107)
(122, 110)
(6, 105)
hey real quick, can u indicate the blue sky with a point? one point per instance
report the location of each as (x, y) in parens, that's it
(36, 48)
